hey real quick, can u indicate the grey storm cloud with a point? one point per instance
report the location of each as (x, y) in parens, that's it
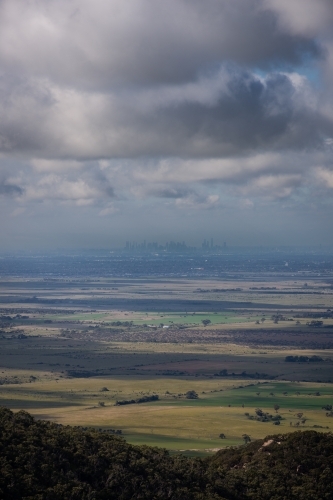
(243, 113)
(250, 115)
(98, 178)
(172, 192)
(186, 104)
(95, 45)
(8, 189)
(115, 80)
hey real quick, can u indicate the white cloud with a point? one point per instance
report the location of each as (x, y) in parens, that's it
(272, 187)
(107, 42)
(46, 165)
(325, 177)
(181, 103)
(54, 187)
(303, 16)
(197, 202)
(18, 211)
(109, 210)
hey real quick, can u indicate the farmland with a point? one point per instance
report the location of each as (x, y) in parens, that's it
(74, 346)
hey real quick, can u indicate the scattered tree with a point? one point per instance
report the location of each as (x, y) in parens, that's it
(247, 438)
(191, 395)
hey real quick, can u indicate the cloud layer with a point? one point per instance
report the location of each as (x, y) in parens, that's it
(114, 106)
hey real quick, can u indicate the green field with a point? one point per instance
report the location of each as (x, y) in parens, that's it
(56, 357)
(174, 422)
(151, 318)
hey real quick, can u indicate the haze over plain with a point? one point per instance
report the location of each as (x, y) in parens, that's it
(158, 120)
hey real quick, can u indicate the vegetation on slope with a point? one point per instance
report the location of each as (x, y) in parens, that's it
(42, 460)
(290, 466)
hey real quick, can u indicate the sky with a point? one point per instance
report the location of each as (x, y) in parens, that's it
(165, 120)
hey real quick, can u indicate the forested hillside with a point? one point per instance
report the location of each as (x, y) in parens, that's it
(290, 466)
(42, 460)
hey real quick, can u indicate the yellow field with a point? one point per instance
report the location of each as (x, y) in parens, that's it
(56, 357)
(175, 423)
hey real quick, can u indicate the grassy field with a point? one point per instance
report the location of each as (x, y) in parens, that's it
(174, 422)
(150, 318)
(60, 347)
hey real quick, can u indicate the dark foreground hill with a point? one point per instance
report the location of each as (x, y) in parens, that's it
(41, 460)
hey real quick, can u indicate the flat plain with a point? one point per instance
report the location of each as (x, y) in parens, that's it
(216, 351)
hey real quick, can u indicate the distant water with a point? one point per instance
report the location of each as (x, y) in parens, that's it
(190, 265)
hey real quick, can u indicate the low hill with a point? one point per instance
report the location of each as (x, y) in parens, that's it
(298, 466)
(40, 460)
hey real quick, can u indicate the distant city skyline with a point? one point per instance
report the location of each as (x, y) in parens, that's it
(172, 245)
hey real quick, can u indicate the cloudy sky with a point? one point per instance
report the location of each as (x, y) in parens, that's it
(178, 119)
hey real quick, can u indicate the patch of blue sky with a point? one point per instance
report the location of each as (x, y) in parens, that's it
(310, 70)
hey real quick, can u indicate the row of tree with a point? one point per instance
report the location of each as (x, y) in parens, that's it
(304, 359)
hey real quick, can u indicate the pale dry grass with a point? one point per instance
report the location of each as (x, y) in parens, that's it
(170, 423)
